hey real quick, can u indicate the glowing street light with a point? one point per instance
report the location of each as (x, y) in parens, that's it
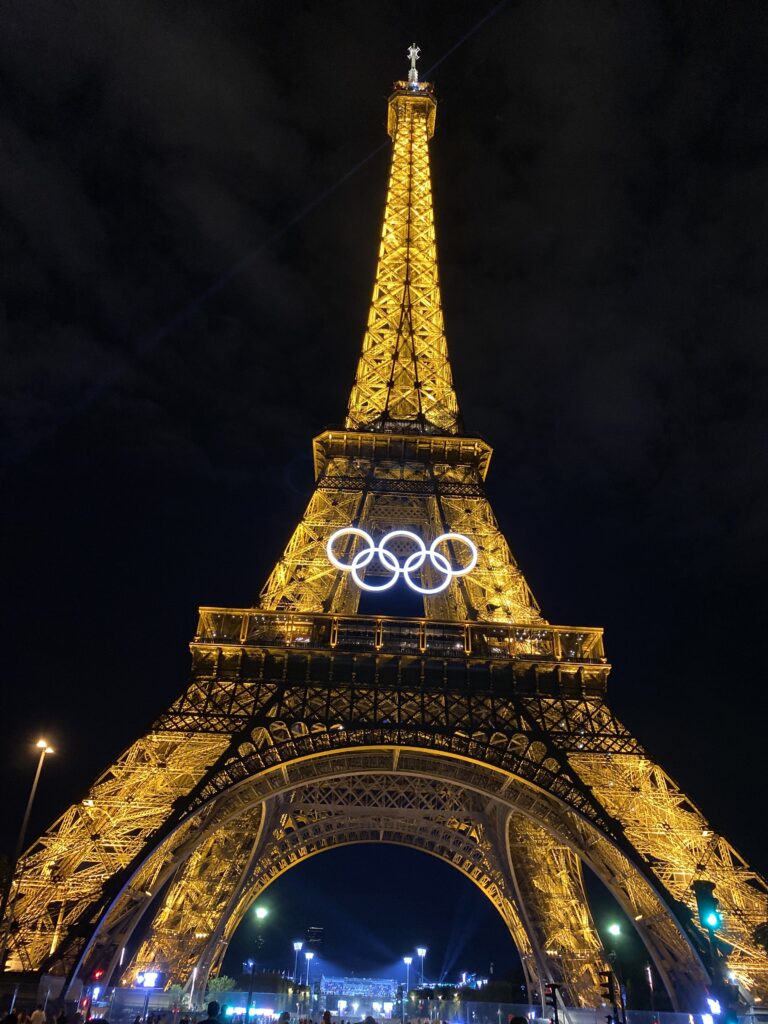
(309, 956)
(250, 965)
(422, 952)
(614, 930)
(297, 948)
(44, 748)
(407, 960)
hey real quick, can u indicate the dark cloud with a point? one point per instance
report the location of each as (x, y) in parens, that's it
(600, 174)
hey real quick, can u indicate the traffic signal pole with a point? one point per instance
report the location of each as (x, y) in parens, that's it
(608, 986)
(550, 995)
(710, 918)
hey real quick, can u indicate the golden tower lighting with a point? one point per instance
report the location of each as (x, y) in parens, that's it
(476, 731)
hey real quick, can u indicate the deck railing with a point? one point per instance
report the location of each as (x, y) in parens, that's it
(226, 627)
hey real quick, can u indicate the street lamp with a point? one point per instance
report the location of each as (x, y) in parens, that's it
(614, 930)
(309, 955)
(297, 948)
(44, 748)
(250, 965)
(261, 915)
(422, 952)
(407, 960)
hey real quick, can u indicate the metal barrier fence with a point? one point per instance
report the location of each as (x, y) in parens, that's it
(454, 1011)
(124, 1006)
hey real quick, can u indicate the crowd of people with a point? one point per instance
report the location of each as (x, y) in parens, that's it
(18, 1015)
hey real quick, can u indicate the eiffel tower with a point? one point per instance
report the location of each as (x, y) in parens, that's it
(474, 730)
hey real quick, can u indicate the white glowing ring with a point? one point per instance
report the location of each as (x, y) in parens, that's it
(413, 562)
(362, 558)
(462, 540)
(354, 532)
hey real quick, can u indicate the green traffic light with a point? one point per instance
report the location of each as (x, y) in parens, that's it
(709, 915)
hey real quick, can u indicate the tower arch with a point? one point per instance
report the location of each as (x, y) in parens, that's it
(482, 819)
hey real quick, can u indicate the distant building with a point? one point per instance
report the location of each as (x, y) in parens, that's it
(314, 938)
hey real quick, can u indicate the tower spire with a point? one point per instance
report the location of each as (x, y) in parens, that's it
(403, 382)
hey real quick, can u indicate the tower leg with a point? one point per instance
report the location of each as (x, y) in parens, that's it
(547, 880)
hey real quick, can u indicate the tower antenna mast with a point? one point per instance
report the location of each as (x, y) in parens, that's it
(413, 54)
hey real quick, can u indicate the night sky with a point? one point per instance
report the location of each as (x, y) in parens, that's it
(191, 198)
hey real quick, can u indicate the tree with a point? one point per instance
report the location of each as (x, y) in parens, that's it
(222, 984)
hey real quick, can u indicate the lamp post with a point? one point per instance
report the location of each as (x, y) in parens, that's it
(261, 913)
(147, 980)
(308, 957)
(421, 951)
(614, 930)
(297, 948)
(407, 960)
(249, 966)
(44, 749)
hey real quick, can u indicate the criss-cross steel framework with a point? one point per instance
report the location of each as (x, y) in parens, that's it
(478, 732)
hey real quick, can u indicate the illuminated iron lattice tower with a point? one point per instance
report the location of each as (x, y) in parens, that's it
(477, 732)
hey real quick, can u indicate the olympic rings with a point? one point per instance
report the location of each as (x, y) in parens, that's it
(389, 561)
